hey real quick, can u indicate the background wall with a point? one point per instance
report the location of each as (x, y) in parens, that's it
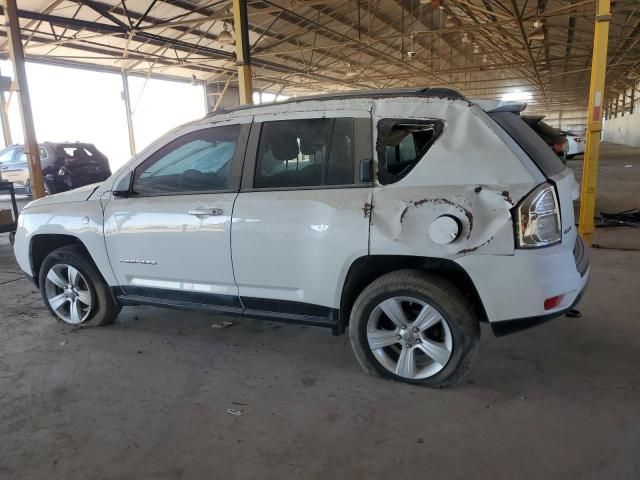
(622, 115)
(624, 130)
(569, 120)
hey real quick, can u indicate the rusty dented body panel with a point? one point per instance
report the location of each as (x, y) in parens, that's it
(400, 220)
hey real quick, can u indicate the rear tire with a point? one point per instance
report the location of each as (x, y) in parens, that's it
(416, 328)
(73, 289)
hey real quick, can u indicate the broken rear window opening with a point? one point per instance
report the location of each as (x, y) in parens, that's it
(401, 144)
(546, 160)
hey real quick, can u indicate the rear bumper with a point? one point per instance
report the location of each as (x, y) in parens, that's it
(575, 148)
(514, 288)
(507, 327)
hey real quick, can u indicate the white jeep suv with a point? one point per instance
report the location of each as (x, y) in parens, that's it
(404, 216)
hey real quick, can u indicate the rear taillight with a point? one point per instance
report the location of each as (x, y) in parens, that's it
(538, 218)
(559, 147)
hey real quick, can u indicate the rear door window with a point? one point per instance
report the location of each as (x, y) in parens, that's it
(309, 153)
(401, 144)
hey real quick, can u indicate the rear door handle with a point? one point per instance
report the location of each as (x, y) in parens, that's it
(206, 212)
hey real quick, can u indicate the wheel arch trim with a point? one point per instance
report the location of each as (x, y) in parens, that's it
(364, 270)
(42, 244)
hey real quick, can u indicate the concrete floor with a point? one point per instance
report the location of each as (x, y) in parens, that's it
(149, 396)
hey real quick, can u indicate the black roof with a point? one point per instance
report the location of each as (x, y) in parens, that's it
(420, 92)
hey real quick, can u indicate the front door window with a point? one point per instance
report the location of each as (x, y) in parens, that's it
(198, 162)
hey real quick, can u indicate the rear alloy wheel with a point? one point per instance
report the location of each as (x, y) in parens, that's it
(414, 327)
(409, 337)
(68, 293)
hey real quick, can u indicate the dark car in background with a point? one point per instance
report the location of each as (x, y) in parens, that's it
(65, 166)
(552, 136)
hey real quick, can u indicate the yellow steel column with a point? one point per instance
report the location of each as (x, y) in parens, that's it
(16, 53)
(243, 54)
(594, 122)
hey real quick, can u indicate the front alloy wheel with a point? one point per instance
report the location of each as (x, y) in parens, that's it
(73, 289)
(68, 293)
(409, 337)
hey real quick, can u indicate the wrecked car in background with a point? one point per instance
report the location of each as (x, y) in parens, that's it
(65, 166)
(405, 217)
(575, 144)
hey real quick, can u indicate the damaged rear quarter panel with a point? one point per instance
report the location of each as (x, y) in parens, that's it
(469, 173)
(401, 217)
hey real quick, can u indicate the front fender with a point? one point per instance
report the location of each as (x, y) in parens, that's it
(81, 220)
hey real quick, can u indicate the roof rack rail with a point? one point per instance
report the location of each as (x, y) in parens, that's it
(421, 92)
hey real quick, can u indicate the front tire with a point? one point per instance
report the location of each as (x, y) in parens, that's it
(416, 328)
(73, 289)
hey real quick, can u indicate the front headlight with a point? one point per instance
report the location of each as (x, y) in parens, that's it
(538, 218)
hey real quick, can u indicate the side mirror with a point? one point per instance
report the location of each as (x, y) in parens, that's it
(123, 188)
(366, 170)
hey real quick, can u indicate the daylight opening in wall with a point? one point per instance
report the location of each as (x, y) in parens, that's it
(517, 96)
(266, 97)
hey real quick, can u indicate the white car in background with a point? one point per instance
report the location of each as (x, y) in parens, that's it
(575, 144)
(405, 217)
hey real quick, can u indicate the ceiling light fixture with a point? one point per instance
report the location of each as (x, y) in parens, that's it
(450, 22)
(537, 34)
(225, 37)
(516, 96)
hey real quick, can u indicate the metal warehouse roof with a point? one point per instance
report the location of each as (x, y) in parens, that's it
(482, 48)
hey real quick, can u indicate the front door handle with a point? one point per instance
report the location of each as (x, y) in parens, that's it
(206, 212)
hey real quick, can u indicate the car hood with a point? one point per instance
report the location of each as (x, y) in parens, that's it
(76, 195)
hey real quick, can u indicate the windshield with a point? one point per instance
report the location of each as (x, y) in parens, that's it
(6, 155)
